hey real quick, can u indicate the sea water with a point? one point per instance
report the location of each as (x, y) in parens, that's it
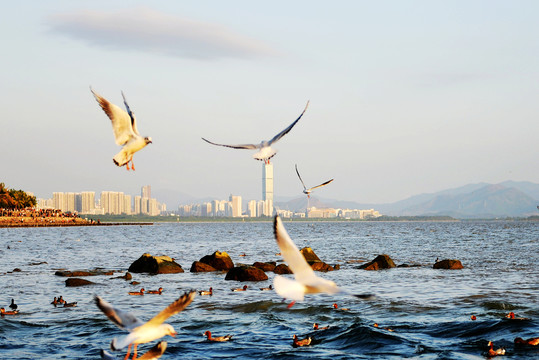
(427, 310)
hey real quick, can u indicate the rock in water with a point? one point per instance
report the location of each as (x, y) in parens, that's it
(219, 260)
(448, 264)
(155, 265)
(201, 267)
(78, 282)
(380, 262)
(246, 273)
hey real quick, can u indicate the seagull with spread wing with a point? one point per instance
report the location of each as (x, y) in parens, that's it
(124, 126)
(265, 152)
(306, 281)
(310, 190)
(140, 332)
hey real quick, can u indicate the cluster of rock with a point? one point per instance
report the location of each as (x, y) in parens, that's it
(221, 261)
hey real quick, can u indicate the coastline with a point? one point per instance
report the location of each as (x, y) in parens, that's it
(23, 222)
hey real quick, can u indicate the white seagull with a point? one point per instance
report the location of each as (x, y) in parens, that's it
(265, 152)
(139, 332)
(124, 125)
(306, 281)
(310, 190)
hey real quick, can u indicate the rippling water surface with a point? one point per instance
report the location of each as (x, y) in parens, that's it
(428, 310)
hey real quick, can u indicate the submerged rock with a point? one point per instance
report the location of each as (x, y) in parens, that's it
(246, 273)
(71, 273)
(265, 266)
(155, 265)
(380, 262)
(448, 264)
(309, 254)
(219, 260)
(78, 282)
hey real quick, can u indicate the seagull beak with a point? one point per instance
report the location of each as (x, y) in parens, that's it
(174, 334)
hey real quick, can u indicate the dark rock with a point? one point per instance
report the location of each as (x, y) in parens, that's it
(321, 266)
(78, 282)
(201, 267)
(309, 254)
(16, 270)
(155, 265)
(336, 267)
(448, 264)
(380, 262)
(126, 277)
(246, 273)
(267, 266)
(219, 260)
(135, 283)
(68, 273)
(282, 269)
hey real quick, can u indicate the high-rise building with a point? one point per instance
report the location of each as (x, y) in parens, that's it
(267, 181)
(146, 192)
(87, 202)
(267, 188)
(251, 208)
(58, 199)
(137, 205)
(236, 205)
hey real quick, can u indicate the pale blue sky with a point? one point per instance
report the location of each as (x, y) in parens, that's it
(405, 97)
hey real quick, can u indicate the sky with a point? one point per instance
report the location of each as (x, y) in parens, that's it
(406, 97)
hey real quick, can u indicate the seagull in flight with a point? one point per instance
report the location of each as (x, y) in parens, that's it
(124, 126)
(265, 152)
(310, 190)
(306, 281)
(140, 332)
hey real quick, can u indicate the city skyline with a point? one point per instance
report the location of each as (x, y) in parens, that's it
(405, 97)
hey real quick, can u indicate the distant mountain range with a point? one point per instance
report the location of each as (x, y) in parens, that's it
(481, 200)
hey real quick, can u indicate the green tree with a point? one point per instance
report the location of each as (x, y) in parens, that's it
(15, 199)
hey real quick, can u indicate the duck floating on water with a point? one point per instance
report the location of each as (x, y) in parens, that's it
(4, 312)
(530, 341)
(217, 338)
(317, 327)
(303, 342)
(209, 292)
(240, 289)
(13, 306)
(491, 352)
(336, 307)
(267, 288)
(512, 316)
(71, 304)
(141, 292)
(385, 328)
(158, 292)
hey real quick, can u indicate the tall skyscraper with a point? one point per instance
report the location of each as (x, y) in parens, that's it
(87, 202)
(267, 188)
(146, 192)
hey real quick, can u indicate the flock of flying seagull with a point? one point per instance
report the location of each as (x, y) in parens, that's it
(124, 126)
(305, 281)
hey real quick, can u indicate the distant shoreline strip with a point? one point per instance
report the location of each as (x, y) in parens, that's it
(23, 225)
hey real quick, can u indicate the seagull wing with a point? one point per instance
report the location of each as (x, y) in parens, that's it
(121, 121)
(297, 263)
(131, 115)
(123, 319)
(241, 146)
(174, 308)
(300, 179)
(155, 352)
(327, 182)
(285, 131)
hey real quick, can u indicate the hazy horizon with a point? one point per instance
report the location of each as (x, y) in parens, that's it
(405, 98)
